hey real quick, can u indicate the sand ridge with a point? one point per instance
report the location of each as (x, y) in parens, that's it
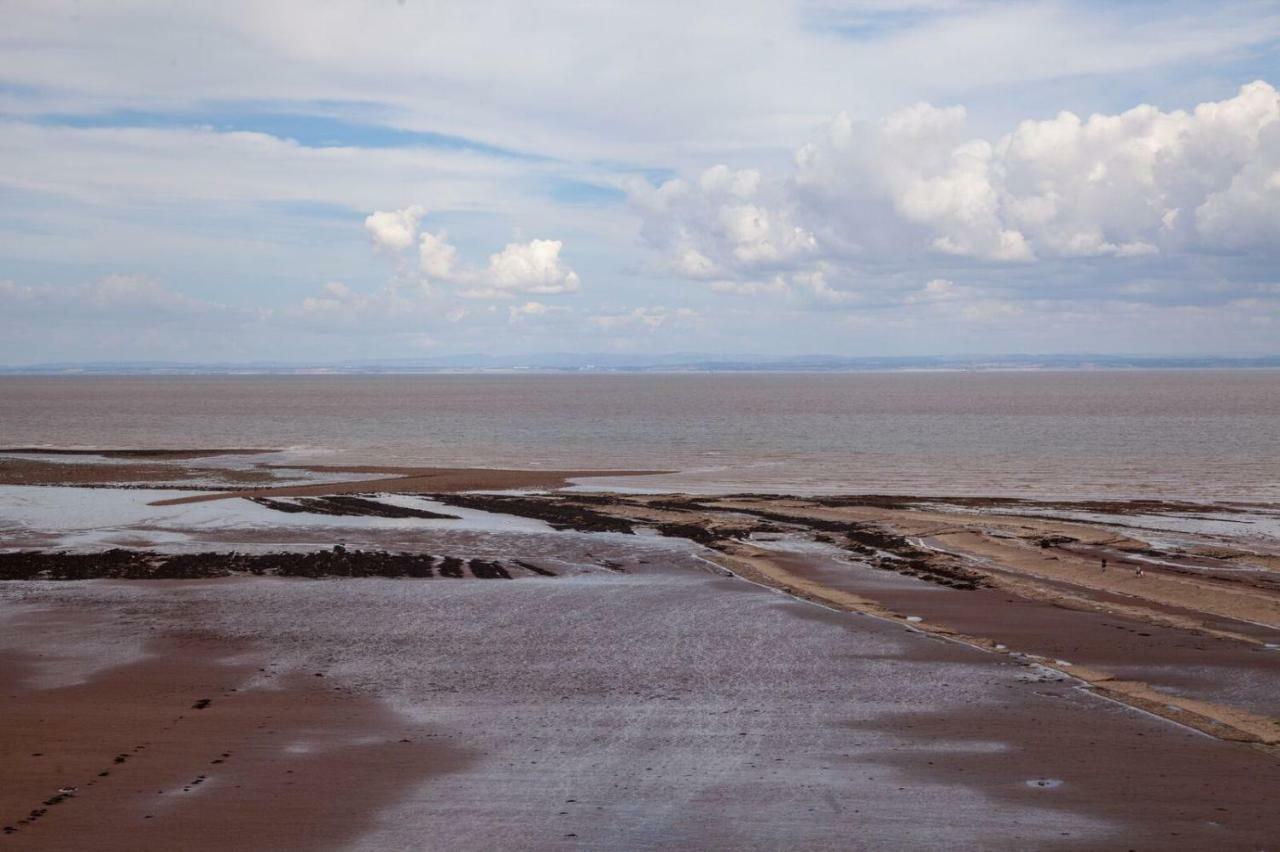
(415, 480)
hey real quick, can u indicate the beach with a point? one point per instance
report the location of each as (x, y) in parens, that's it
(243, 646)
(630, 711)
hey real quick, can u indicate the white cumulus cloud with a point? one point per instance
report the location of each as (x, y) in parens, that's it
(436, 257)
(532, 267)
(393, 230)
(721, 226)
(916, 188)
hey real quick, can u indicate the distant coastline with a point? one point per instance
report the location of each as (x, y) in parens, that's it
(674, 363)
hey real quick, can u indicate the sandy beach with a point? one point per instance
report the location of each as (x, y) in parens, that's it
(339, 665)
(738, 718)
(174, 732)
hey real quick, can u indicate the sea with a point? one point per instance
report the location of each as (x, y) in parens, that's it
(1169, 434)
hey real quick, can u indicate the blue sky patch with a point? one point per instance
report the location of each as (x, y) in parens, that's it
(312, 130)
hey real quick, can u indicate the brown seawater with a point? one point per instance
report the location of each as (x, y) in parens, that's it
(1212, 435)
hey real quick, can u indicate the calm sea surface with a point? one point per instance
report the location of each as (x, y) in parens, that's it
(1210, 435)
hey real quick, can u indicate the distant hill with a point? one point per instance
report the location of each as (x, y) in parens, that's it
(676, 362)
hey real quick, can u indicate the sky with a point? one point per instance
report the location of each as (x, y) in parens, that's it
(322, 181)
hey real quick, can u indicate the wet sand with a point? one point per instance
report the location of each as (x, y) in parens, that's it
(414, 480)
(658, 710)
(174, 468)
(1017, 582)
(739, 672)
(173, 752)
(26, 471)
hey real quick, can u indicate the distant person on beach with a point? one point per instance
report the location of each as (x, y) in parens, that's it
(1138, 571)
(1104, 565)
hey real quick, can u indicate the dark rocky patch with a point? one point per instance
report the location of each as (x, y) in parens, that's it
(529, 566)
(1013, 504)
(882, 549)
(560, 514)
(694, 532)
(123, 564)
(347, 506)
(487, 570)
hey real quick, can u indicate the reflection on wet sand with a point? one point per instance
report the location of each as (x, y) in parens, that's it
(737, 671)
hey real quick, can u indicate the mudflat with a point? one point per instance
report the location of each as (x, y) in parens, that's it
(205, 469)
(169, 750)
(623, 710)
(570, 669)
(413, 480)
